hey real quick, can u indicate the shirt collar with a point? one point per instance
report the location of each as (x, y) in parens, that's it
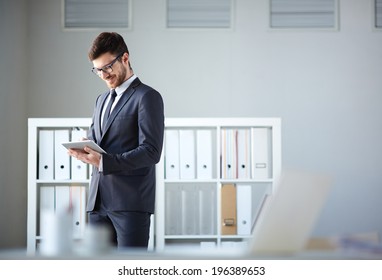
(121, 89)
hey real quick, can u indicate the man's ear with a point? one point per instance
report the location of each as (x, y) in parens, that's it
(125, 57)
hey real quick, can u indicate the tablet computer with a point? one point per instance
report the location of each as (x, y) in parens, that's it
(80, 145)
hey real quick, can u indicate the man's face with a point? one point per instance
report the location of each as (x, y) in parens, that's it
(115, 69)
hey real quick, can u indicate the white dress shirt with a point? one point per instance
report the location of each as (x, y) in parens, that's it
(119, 91)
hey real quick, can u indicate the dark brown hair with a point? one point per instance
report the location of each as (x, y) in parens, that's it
(107, 42)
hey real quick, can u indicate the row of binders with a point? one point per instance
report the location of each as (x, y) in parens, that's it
(54, 163)
(188, 154)
(245, 153)
(68, 200)
(240, 206)
(191, 209)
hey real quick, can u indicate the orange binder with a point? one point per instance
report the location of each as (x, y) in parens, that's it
(228, 210)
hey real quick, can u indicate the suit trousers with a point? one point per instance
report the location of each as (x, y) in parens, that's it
(128, 229)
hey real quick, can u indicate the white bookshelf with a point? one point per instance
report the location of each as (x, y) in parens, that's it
(35, 126)
(173, 207)
(209, 186)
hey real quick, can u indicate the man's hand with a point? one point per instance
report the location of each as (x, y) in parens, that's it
(86, 155)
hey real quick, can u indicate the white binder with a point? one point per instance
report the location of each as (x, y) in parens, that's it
(229, 153)
(62, 199)
(46, 155)
(47, 202)
(173, 207)
(47, 198)
(61, 157)
(204, 154)
(189, 211)
(244, 209)
(244, 153)
(171, 151)
(77, 202)
(78, 168)
(187, 153)
(151, 245)
(261, 153)
(207, 210)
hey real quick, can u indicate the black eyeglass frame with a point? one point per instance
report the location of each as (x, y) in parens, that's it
(107, 68)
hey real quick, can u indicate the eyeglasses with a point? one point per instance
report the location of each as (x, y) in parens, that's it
(106, 69)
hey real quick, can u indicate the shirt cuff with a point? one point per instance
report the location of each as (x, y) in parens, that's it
(100, 167)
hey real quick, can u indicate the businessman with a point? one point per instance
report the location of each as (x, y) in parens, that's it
(122, 187)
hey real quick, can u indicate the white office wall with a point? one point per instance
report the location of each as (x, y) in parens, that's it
(13, 123)
(325, 86)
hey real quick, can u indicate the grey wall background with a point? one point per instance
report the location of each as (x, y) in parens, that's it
(325, 85)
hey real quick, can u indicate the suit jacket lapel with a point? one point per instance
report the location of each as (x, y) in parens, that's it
(98, 114)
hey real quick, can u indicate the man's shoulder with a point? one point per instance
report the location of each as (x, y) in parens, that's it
(142, 87)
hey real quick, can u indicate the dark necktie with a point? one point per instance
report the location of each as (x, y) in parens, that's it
(113, 94)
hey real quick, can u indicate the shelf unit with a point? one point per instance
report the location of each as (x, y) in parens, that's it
(166, 235)
(198, 200)
(35, 183)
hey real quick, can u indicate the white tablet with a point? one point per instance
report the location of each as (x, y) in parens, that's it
(80, 145)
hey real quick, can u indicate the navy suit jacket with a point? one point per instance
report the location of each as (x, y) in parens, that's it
(133, 140)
